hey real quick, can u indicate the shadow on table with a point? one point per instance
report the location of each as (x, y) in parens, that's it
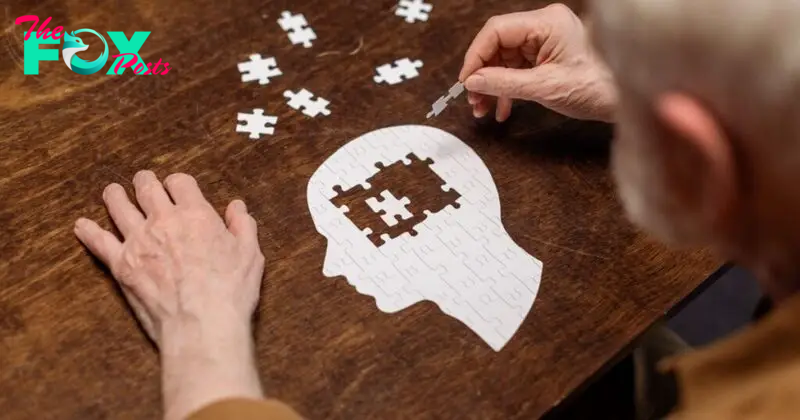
(532, 129)
(611, 397)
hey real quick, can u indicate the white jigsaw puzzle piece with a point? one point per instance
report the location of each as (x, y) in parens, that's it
(297, 27)
(261, 69)
(289, 21)
(391, 206)
(461, 259)
(303, 101)
(413, 10)
(454, 92)
(402, 69)
(256, 124)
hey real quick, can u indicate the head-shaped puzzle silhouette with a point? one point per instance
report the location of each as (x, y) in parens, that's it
(411, 213)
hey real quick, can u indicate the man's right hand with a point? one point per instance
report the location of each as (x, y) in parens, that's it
(543, 56)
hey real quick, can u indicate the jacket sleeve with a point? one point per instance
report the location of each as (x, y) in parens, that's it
(245, 409)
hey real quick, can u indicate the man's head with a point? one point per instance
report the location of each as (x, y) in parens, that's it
(708, 144)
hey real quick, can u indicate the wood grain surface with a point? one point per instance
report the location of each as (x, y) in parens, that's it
(69, 347)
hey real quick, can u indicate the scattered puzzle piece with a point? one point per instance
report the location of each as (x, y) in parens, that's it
(302, 101)
(297, 28)
(413, 10)
(256, 123)
(390, 207)
(403, 69)
(260, 69)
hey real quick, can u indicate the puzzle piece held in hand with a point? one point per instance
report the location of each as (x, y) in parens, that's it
(441, 103)
(256, 123)
(302, 100)
(413, 10)
(260, 69)
(297, 28)
(403, 69)
(390, 208)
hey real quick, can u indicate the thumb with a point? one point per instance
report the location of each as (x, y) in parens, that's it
(505, 82)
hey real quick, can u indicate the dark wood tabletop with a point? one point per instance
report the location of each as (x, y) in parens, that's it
(70, 348)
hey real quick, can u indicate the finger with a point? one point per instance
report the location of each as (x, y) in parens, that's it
(506, 31)
(513, 58)
(510, 58)
(184, 189)
(510, 83)
(150, 194)
(100, 242)
(474, 98)
(482, 108)
(125, 215)
(503, 109)
(240, 223)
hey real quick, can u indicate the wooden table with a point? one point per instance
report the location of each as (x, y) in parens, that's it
(69, 348)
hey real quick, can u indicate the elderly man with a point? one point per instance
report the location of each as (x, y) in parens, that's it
(703, 95)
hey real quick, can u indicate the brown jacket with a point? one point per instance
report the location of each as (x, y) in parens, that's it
(752, 375)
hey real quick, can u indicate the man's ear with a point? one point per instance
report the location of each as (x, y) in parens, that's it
(697, 131)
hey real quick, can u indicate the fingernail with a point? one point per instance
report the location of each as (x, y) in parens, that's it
(107, 189)
(475, 83)
(477, 113)
(142, 174)
(472, 99)
(80, 223)
(239, 205)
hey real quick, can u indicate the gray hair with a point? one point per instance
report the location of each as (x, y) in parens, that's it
(741, 58)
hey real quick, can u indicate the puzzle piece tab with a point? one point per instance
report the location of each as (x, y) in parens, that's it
(390, 208)
(403, 69)
(260, 69)
(413, 10)
(256, 123)
(302, 101)
(297, 28)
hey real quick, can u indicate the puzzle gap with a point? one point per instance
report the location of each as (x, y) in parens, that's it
(396, 199)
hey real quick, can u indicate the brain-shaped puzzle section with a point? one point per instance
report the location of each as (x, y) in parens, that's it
(395, 200)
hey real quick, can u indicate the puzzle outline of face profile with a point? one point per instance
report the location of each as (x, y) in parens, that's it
(259, 69)
(401, 70)
(303, 102)
(296, 26)
(256, 123)
(413, 10)
(462, 259)
(348, 200)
